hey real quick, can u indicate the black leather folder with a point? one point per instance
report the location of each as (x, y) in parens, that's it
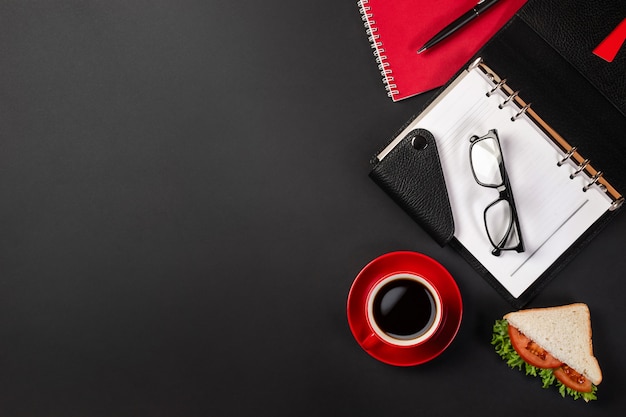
(544, 56)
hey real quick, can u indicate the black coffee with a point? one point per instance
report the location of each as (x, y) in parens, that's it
(404, 309)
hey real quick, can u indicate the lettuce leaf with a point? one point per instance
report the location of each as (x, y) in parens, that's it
(502, 344)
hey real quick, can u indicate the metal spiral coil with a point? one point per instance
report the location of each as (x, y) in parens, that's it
(379, 52)
(594, 180)
(520, 113)
(567, 156)
(580, 168)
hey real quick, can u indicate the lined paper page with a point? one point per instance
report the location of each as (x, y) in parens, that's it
(552, 208)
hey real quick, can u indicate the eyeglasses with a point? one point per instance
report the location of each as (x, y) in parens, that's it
(501, 221)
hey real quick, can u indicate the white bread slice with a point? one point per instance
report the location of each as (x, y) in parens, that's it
(563, 331)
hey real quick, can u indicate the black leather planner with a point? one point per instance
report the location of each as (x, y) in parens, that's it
(547, 75)
(573, 28)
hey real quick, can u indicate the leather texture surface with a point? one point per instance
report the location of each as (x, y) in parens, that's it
(574, 28)
(561, 96)
(414, 179)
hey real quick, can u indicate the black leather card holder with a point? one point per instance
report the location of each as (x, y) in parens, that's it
(411, 175)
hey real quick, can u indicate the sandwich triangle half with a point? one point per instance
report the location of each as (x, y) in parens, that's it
(565, 332)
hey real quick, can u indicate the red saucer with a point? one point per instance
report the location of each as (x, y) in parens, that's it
(405, 262)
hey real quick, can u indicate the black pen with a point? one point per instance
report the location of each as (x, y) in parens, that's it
(470, 15)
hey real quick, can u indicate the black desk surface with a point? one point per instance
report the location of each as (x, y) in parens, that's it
(185, 203)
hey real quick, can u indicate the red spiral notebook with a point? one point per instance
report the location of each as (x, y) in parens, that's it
(397, 29)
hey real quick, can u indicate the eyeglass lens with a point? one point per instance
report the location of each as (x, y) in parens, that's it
(486, 161)
(499, 225)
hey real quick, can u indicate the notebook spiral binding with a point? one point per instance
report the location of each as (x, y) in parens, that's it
(570, 153)
(379, 52)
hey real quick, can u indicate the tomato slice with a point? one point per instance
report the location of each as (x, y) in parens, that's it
(531, 352)
(572, 379)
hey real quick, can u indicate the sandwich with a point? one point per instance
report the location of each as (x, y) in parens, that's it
(553, 344)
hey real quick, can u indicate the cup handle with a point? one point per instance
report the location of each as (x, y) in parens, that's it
(370, 341)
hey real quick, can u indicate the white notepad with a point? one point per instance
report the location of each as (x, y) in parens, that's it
(553, 209)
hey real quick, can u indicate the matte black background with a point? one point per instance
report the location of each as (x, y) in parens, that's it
(185, 203)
